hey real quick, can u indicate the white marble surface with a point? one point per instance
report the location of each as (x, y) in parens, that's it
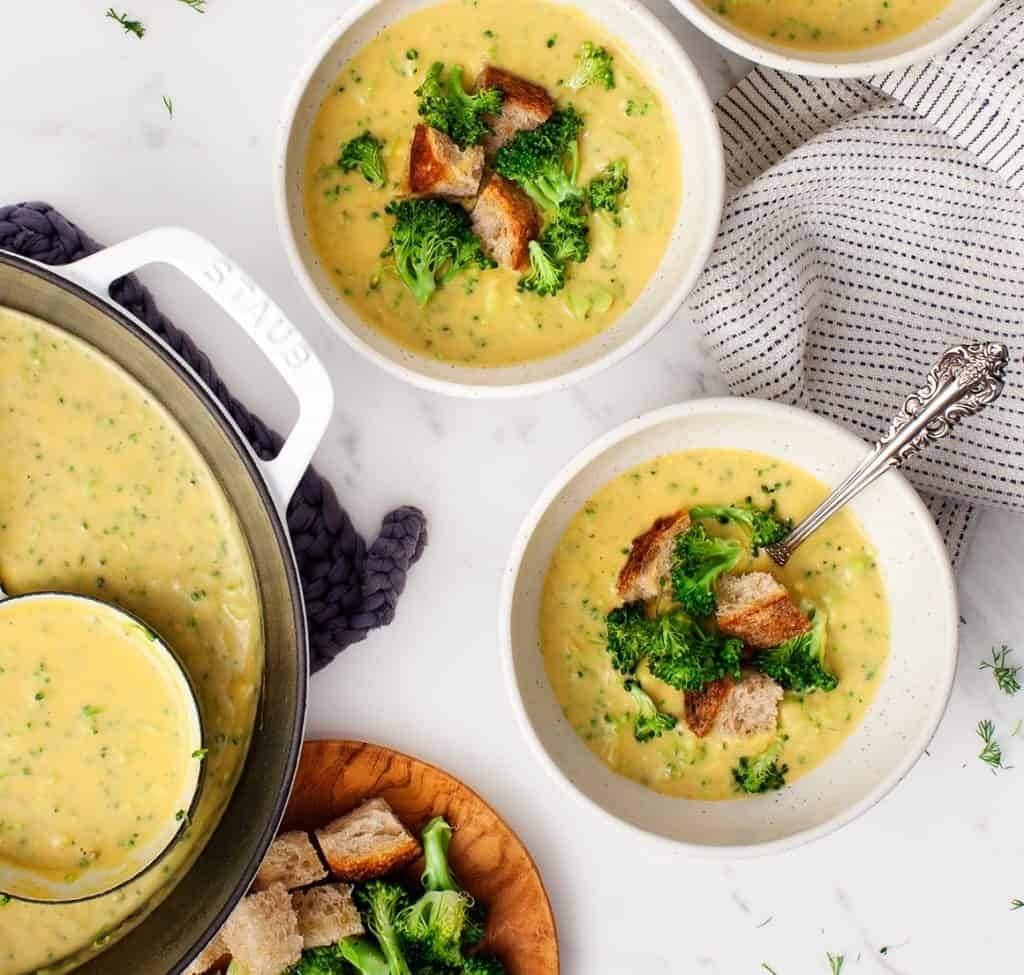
(930, 872)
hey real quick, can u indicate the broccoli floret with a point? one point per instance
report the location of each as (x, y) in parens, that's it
(363, 153)
(546, 275)
(629, 636)
(687, 658)
(432, 928)
(798, 664)
(363, 955)
(322, 961)
(437, 837)
(760, 773)
(593, 67)
(698, 560)
(450, 109)
(545, 161)
(483, 965)
(606, 188)
(476, 926)
(432, 241)
(380, 902)
(648, 722)
(566, 236)
(764, 525)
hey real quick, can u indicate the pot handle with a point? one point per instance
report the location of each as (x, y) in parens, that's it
(254, 312)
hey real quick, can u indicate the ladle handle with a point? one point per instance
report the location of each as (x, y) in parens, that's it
(258, 316)
(963, 382)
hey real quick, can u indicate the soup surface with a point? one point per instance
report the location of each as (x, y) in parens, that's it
(835, 570)
(828, 25)
(100, 747)
(104, 495)
(482, 318)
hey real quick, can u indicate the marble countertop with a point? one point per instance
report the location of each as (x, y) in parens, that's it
(930, 872)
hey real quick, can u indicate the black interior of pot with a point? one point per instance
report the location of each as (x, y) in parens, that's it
(165, 941)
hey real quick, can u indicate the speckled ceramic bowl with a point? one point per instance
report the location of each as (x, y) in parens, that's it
(897, 726)
(682, 90)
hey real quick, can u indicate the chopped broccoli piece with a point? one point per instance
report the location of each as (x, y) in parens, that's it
(593, 67)
(363, 153)
(629, 636)
(687, 658)
(483, 965)
(363, 955)
(760, 773)
(648, 722)
(432, 241)
(698, 560)
(764, 525)
(476, 925)
(606, 188)
(437, 837)
(798, 664)
(545, 161)
(566, 236)
(321, 961)
(432, 928)
(546, 275)
(450, 109)
(380, 902)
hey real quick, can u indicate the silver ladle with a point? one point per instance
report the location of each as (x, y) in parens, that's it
(963, 382)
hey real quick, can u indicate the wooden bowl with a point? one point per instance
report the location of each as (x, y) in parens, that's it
(486, 856)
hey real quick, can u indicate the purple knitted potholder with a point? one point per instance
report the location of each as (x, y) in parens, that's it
(348, 590)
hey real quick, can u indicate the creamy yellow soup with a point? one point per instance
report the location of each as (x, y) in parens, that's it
(103, 494)
(835, 570)
(481, 318)
(99, 747)
(828, 25)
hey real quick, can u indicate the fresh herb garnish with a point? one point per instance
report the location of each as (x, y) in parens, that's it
(169, 105)
(90, 710)
(199, 6)
(4, 900)
(412, 54)
(991, 753)
(1016, 904)
(1005, 675)
(768, 968)
(200, 753)
(135, 27)
(836, 962)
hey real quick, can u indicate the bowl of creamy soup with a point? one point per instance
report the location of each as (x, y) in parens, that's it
(836, 38)
(668, 673)
(126, 482)
(558, 274)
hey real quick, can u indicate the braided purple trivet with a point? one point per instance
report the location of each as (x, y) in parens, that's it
(348, 590)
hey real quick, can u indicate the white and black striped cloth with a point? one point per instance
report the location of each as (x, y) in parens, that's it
(869, 225)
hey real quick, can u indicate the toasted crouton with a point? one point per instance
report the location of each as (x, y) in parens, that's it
(213, 958)
(650, 557)
(438, 166)
(525, 106)
(326, 914)
(505, 220)
(734, 709)
(756, 608)
(367, 842)
(292, 861)
(262, 932)
(750, 708)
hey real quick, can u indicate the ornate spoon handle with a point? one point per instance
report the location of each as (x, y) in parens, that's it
(963, 382)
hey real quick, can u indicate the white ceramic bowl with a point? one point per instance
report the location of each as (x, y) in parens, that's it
(930, 39)
(897, 726)
(683, 92)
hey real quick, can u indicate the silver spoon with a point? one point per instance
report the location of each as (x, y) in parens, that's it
(963, 382)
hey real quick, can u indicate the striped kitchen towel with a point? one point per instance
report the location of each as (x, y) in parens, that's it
(869, 224)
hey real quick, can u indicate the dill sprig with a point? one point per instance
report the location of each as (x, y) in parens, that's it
(1016, 904)
(135, 27)
(199, 6)
(835, 962)
(169, 105)
(1005, 675)
(991, 754)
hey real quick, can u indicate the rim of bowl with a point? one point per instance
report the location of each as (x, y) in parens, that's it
(680, 411)
(747, 47)
(714, 187)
